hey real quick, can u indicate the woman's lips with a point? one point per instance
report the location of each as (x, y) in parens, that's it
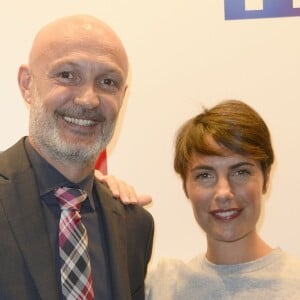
(226, 214)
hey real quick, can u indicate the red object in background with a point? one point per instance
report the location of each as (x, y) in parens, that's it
(101, 163)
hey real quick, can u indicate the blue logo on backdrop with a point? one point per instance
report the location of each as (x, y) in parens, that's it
(254, 9)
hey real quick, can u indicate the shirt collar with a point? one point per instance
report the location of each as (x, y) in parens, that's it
(48, 178)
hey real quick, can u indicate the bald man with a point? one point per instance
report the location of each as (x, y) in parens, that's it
(74, 84)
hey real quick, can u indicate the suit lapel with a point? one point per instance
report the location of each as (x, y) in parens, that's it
(114, 222)
(20, 200)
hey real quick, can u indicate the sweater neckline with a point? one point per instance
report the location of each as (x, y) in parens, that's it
(244, 267)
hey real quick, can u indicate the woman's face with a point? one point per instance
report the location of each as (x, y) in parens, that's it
(225, 192)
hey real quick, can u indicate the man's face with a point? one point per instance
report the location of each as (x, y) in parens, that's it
(76, 93)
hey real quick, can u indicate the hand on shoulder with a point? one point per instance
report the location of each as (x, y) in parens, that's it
(122, 190)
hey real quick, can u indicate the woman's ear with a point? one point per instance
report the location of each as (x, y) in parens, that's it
(184, 188)
(266, 179)
(24, 80)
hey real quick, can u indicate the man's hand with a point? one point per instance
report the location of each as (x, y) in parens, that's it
(125, 192)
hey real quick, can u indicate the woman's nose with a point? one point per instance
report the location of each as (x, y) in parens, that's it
(223, 190)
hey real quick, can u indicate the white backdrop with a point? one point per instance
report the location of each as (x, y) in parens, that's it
(183, 55)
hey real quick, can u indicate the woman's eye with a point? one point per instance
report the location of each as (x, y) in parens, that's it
(241, 173)
(204, 176)
(205, 179)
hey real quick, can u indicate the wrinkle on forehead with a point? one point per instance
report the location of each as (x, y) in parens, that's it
(78, 32)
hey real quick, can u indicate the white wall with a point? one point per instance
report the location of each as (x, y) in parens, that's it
(183, 55)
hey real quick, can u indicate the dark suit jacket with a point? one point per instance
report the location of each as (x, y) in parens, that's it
(27, 270)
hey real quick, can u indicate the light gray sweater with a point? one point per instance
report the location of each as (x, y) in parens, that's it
(275, 276)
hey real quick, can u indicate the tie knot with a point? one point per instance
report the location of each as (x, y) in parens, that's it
(69, 197)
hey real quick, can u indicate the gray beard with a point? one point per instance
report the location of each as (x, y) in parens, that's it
(46, 137)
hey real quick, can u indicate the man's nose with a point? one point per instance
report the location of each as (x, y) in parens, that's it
(87, 97)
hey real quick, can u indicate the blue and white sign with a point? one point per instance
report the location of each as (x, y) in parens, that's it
(253, 9)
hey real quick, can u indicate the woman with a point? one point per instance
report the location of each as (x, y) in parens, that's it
(224, 157)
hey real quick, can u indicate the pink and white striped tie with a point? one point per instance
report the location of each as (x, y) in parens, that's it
(76, 278)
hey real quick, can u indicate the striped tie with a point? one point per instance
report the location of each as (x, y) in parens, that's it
(76, 276)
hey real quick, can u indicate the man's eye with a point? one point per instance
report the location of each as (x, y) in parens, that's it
(108, 81)
(66, 75)
(109, 85)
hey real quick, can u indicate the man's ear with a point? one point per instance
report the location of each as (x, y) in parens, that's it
(24, 80)
(125, 91)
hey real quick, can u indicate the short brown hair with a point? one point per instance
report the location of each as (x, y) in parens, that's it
(232, 124)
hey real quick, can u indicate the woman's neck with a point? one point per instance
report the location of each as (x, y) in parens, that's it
(244, 250)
